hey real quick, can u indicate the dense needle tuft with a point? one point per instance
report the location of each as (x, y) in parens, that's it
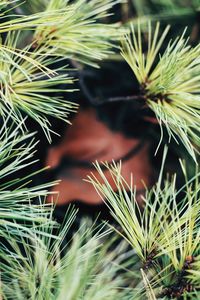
(170, 82)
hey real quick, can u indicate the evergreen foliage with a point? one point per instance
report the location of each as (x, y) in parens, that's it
(157, 255)
(165, 234)
(171, 87)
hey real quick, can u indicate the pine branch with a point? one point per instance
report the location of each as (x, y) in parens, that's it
(18, 217)
(83, 37)
(164, 233)
(86, 271)
(170, 85)
(29, 85)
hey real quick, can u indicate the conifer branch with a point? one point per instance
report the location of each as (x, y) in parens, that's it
(83, 37)
(86, 271)
(170, 82)
(164, 233)
(28, 84)
(16, 195)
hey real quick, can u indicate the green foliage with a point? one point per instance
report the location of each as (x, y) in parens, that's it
(87, 270)
(28, 84)
(29, 80)
(164, 233)
(83, 37)
(169, 82)
(35, 261)
(16, 195)
(41, 259)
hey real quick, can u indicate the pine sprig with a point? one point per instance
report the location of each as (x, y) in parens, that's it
(86, 271)
(164, 233)
(29, 85)
(16, 195)
(79, 32)
(170, 82)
